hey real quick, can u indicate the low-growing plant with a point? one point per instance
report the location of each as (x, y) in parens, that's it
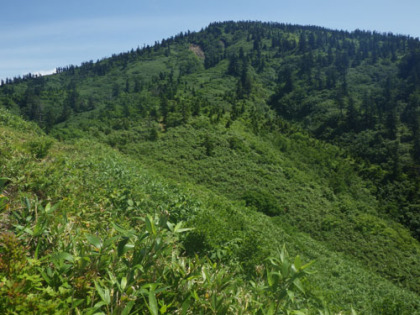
(39, 148)
(3, 198)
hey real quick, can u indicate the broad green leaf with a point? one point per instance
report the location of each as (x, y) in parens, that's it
(163, 309)
(112, 277)
(123, 231)
(121, 248)
(104, 294)
(29, 231)
(153, 306)
(110, 241)
(308, 265)
(99, 290)
(285, 269)
(170, 226)
(99, 304)
(270, 278)
(37, 250)
(76, 302)
(298, 262)
(185, 306)
(107, 296)
(283, 253)
(150, 225)
(271, 309)
(298, 285)
(204, 274)
(39, 229)
(178, 228)
(28, 203)
(50, 209)
(63, 256)
(291, 295)
(128, 308)
(94, 240)
(45, 276)
(123, 283)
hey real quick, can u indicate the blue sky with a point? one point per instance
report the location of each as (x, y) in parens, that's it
(40, 35)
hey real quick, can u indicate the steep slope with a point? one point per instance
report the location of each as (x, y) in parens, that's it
(239, 126)
(85, 229)
(70, 207)
(276, 175)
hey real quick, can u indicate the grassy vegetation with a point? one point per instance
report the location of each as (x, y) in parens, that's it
(68, 213)
(86, 228)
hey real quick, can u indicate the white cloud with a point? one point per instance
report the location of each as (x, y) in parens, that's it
(46, 72)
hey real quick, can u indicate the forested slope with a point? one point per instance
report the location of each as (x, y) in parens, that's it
(256, 135)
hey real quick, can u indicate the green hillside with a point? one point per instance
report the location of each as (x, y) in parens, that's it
(161, 180)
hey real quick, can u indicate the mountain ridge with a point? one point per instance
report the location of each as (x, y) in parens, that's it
(309, 131)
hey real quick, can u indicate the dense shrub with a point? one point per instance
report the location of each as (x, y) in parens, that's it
(263, 202)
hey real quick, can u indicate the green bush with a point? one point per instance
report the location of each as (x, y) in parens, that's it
(39, 148)
(263, 202)
(3, 199)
